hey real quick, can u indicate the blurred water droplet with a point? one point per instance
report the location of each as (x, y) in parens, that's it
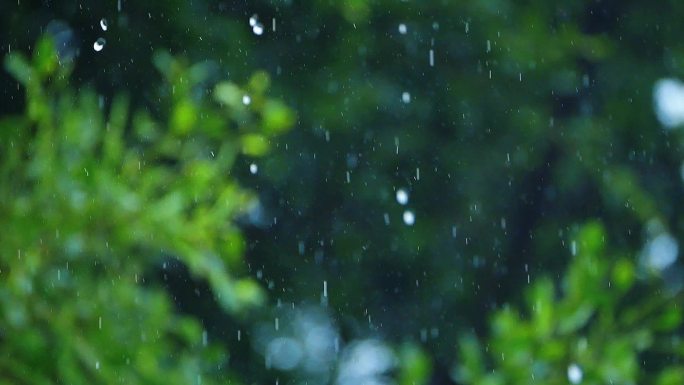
(574, 374)
(103, 24)
(661, 251)
(246, 100)
(668, 100)
(402, 196)
(99, 44)
(97, 365)
(403, 29)
(253, 168)
(406, 97)
(253, 20)
(409, 217)
(258, 29)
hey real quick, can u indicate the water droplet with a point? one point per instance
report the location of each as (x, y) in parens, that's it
(574, 374)
(253, 20)
(205, 338)
(97, 365)
(409, 217)
(246, 100)
(406, 97)
(258, 29)
(103, 24)
(325, 288)
(432, 57)
(402, 196)
(403, 29)
(661, 251)
(668, 100)
(99, 44)
(253, 168)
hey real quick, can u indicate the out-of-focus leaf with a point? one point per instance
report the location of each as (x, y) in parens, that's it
(415, 365)
(277, 117)
(254, 145)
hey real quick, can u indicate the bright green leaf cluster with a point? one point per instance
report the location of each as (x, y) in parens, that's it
(92, 198)
(594, 333)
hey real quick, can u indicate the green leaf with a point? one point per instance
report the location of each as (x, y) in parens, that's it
(17, 65)
(277, 117)
(45, 58)
(254, 145)
(415, 365)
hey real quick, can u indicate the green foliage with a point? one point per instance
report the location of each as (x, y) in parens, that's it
(594, 328)
(93, 199)
(536, 116)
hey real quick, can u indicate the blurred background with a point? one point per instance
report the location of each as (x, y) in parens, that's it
(341, 192)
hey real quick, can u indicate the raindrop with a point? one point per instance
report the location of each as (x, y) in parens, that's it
(573, 248)
(325, 288)
(205, 338)
(253, 168)
(99, 323)
(97, 365)
(246, 100)
(253, 20)
(406, 97)
(409, 218)
(402, 197)
(258, 29)
(432, 57)
(668, 98)
(403, 29)
(103, 24)
(574, 374)
(662, 251)
(99, 44)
